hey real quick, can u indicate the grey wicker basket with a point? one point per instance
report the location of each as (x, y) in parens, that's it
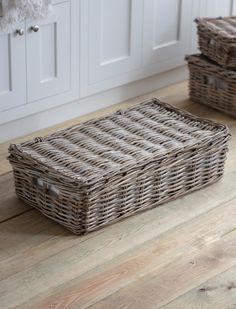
(212, 85)
(217, 39)
(103, 170)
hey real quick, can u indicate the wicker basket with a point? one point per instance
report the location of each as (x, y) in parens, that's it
(212, 85)
(217, 40)
(101, 171)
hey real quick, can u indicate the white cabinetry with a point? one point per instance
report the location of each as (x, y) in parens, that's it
(48, 54)
(233, 7)
(215, 8)
(39, 69)
(88, 47)
(111, 42)
(126, 40)
(12, 69)
(114, 33)
(167, 28)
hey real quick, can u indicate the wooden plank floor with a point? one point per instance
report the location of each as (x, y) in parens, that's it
(181, 255)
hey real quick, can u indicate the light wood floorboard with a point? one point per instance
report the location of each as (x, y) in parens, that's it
(219, 292)
(151, 265)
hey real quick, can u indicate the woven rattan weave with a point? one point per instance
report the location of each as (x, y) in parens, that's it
(212, 85)
(103, 170)
(217, 39)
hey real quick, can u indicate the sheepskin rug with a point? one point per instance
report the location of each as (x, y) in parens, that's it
(18, 10)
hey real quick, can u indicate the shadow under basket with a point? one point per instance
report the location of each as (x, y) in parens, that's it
(212, 85)
(103, 170)
(217, 39)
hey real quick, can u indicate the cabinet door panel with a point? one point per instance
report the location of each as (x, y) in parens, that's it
(233, 8)
(12, 69)
(167, 27)
(48, 55)
(114, 37)
(215, 8)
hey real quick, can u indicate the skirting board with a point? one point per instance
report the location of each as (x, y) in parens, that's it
(89, 104)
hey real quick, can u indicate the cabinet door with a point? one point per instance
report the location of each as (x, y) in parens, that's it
(48, 54)
(233, 12)
(12, 69)
(215, 8)
(197, 12)
(166, 34)
(114, 37)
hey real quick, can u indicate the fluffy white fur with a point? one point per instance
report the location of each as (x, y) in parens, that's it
(18, 10)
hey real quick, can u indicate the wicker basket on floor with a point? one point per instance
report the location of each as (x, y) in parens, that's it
(103, 170)
(212, 85)
(217, 39)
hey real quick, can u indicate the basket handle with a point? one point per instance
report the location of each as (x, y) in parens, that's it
(215, 82)
(49, 189)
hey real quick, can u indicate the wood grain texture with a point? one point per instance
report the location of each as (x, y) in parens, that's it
(10, 205)
(153, 257)
(161, 257)
(218, 292)
(164, 284)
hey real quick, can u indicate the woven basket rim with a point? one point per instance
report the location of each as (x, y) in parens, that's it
(18, 149)
(204, 62)
(218, 31)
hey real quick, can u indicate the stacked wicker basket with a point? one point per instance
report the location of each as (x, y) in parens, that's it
(213, 73)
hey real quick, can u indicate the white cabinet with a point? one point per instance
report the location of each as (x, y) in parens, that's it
(127, 40)
(215, 8)
(167, 28)
(49, 54)
(233, 7)
(91, 46)
(111, 42)
(114, 31)
(12, 69)
(40, 68)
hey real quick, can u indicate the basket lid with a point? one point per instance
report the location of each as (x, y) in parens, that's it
(222, 28)
(210, 66)
(121, 143)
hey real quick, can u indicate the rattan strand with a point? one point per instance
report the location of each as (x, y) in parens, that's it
(212, 85)
(101, 171)
(217, 40)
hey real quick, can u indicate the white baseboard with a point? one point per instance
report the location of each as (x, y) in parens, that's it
(89, 104)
